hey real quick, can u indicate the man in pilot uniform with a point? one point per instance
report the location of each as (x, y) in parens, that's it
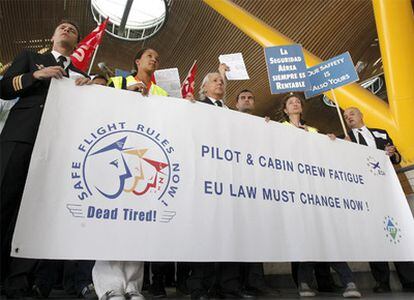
(28, 78)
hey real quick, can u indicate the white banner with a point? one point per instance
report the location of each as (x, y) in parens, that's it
(117, 176)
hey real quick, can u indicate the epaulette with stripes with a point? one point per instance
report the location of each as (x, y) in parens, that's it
(17, 83)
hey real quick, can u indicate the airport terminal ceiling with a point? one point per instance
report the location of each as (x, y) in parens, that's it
(194, 31)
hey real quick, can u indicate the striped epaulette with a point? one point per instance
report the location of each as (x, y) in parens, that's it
(17, 83)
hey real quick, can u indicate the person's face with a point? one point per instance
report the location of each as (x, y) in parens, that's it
(353, 118)
(293, 106)
(66, 34)
(114, 169)
(245, 102)
(99, 81)
(214, 87)
(149, 61)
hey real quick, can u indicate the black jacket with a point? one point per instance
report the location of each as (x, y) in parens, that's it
(381, 140)
(24, 118)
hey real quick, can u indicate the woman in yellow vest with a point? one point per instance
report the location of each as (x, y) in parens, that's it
(120, 280)
(292, 109)
(146, 62)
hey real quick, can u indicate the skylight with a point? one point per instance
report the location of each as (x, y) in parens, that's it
(131, 19)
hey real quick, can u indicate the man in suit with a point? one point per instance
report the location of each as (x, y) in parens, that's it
(252, 274)
(379, 138)
(28, 78)
(221, 279)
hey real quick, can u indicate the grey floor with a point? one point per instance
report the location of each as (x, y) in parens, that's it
(285, 294)
(285, 284)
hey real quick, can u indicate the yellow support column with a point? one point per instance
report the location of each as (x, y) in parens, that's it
(395, 28)
(376, 112)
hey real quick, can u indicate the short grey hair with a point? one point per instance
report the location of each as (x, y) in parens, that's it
(206, 78)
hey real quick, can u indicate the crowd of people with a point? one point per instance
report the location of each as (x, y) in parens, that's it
(28, 79)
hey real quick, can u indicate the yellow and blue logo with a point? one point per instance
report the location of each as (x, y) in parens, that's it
(131, 164)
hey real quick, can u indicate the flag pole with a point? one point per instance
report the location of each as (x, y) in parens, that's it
(93, 59)
(193, 64)
(339, 114)
(195, 61)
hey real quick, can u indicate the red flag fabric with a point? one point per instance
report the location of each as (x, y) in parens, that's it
(81, 57)
(188, 84)
(153, 78)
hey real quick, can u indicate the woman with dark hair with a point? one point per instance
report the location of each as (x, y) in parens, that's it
(303, 271)
(292, 110)
(146, 62)
(120, 280)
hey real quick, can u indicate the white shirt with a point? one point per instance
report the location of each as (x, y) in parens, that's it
(72, 74)
(215, 102)
(5, 107)
(56, 56)
(369, 138)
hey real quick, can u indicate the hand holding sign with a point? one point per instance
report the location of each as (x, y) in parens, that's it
(236, 69)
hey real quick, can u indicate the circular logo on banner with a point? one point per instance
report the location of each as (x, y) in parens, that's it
(126, 162)
(133, 164)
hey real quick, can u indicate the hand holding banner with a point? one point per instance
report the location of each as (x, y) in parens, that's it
(155, 169)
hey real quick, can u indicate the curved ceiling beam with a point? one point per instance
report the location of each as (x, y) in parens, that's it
(376, 111)
(395, 28)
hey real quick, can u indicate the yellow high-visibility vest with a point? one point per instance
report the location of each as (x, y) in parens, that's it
(120, 82)
(310, 129)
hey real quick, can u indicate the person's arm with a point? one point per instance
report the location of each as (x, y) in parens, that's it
(222, 71)
(392, 151)
(19, 78)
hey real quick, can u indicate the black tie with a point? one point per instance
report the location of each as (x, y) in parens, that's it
(61, 61)
(218, 103)
(361, 139)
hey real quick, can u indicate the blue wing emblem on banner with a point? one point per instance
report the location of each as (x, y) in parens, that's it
(167, 216)
(75, 210)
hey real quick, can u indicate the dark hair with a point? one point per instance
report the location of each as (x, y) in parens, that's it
(285, 100)
(100, 77)
(139, 55)
(243, 91)
(73, 23)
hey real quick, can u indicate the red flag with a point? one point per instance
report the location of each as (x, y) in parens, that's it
(81, 57)
(188, 84)
(153, 78)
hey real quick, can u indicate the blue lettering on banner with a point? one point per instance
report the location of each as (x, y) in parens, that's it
(353, 204)
(278, 164)
(137, 164)
(218, 154)
(276, 195)
(243, 191)
(128, 214)
(330, 74)
(286, 69)
(216, 189)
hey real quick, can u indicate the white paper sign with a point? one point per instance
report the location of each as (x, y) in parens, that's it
(169, 80)
(236, 65)
(118, 176)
